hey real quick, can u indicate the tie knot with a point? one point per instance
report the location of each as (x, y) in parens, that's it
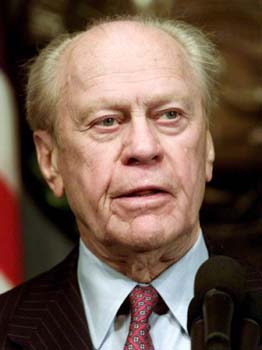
(142, 302)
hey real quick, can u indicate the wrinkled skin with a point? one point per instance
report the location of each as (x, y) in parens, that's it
(134, 151)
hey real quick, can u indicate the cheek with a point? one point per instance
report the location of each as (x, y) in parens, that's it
(87, 173)
(188, 162)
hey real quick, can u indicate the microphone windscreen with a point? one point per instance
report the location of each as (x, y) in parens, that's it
(222, 273)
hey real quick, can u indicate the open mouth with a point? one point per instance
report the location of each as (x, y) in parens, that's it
(144, 199)
(143, 193)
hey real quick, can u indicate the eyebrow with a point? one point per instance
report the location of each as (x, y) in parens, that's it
(169, 99)
(79, 115)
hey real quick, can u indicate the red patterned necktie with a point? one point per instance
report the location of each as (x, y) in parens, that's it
(142, 302)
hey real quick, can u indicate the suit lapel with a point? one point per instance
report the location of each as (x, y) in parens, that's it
(50, 314)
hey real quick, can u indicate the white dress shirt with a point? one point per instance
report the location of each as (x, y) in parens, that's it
(104, 289)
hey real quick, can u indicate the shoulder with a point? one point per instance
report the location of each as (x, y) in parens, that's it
(35, 293)
(8, 302)
(47, 281)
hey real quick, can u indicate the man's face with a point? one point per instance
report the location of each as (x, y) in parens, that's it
(134, 151)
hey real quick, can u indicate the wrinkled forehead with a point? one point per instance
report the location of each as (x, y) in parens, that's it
(122, 47)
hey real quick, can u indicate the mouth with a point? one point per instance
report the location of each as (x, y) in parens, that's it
(143, 192)
(143, 199)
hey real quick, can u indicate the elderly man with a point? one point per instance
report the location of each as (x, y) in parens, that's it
(120, 120)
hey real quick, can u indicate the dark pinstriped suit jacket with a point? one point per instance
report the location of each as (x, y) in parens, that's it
(47, 312)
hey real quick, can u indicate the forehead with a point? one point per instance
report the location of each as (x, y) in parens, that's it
(122, 47)
(125, 60)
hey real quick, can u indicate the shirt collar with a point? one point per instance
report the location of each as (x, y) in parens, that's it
(104, 289)
(176, 284)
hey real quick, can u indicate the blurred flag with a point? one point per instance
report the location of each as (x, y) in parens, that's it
(10, 230)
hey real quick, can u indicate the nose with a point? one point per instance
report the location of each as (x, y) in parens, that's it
(141, 144)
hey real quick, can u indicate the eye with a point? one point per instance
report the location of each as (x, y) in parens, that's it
(107, 122)
(171, 119)
(169, 115)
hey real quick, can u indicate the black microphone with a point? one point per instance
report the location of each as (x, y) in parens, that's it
(195, 324)
(250, 336)
(219, 289)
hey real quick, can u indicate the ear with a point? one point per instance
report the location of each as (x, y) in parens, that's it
(47, 156)
(210, 156)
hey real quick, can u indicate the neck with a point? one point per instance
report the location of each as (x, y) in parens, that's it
(142, 266)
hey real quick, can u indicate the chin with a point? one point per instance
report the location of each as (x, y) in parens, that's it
(146, 233)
